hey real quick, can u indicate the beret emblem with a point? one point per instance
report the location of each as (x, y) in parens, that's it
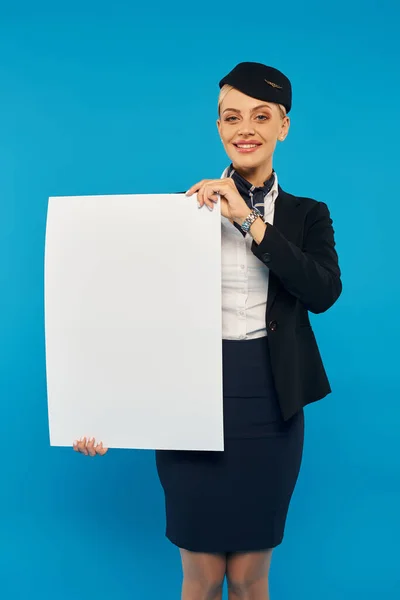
(274, 85)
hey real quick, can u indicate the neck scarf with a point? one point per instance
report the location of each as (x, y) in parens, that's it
(252, 195)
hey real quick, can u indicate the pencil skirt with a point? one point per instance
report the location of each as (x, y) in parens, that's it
(236, 500)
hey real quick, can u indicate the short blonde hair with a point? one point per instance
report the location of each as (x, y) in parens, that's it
(227, 88)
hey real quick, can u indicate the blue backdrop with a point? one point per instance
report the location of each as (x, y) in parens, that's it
(101, 98)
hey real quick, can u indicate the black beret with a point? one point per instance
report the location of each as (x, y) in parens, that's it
(261, 82)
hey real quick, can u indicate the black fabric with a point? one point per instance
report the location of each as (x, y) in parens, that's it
(304, 275)
(236, 500)
(252, 195)
(261, 82)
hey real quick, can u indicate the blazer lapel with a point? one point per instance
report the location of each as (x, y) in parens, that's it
(287, 222)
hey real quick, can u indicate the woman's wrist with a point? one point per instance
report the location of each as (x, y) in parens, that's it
(257, 230)
(240, 220)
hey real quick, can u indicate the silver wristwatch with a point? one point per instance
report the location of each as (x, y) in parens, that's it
(248, 222)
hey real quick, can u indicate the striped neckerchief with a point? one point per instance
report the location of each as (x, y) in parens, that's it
(252, 195)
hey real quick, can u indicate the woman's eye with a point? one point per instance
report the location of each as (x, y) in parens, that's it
(233, 118)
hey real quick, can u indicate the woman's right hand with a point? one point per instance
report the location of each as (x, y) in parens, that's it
(88, 447)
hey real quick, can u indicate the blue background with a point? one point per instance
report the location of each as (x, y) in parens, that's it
(108, 98)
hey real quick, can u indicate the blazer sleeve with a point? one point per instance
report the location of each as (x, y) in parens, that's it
(311, 273)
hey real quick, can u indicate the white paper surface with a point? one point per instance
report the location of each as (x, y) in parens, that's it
(133, 322)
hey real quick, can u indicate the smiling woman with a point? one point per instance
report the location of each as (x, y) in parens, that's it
(227, 510)
(248, 127)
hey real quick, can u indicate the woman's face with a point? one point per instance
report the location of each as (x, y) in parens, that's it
(249, 129)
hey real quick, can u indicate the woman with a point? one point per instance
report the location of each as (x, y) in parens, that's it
(227, 510)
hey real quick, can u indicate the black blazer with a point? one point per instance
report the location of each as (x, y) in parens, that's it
(299, 250)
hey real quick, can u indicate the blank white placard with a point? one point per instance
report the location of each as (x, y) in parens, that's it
(133, 322)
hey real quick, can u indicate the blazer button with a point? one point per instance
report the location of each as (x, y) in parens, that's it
(273, 325)
(266, 257)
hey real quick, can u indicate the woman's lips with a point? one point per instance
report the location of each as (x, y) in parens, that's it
(246, 147)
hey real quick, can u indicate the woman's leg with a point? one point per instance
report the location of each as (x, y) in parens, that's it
(203, 575)
(247, 575)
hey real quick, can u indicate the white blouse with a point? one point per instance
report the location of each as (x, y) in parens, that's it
(244, 279)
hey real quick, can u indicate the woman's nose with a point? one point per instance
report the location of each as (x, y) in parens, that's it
(246, 128)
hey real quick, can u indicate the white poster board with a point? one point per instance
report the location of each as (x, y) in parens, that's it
(133, 322)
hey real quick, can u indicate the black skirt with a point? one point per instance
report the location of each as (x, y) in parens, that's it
(236, 500)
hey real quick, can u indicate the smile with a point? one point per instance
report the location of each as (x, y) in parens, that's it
(244, 148)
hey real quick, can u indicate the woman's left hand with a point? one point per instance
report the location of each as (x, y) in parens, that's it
(209, 191)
